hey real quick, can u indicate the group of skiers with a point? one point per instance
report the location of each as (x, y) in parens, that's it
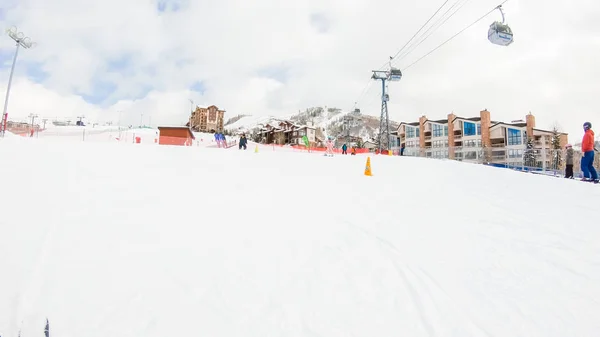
(345, 150)
(587, 161)
(243, 143)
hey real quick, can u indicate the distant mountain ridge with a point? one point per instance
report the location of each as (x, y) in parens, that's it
(328, 121)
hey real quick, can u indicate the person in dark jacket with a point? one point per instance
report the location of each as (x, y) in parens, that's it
(243, 142)
(344, 149)
(569, 161)
(402, 149)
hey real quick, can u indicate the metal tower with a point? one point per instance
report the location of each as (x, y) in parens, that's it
(385, 141)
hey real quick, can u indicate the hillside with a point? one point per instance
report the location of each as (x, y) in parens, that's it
(329, 122)
(216, 247)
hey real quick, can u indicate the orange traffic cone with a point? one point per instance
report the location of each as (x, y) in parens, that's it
(368, 167)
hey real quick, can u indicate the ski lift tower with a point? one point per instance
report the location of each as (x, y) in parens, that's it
(394, 75)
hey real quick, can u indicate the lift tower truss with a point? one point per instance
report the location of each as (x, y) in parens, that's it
(393, 75)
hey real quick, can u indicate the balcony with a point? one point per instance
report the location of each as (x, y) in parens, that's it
(497, 141)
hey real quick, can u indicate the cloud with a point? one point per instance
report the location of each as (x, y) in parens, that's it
(272, 57)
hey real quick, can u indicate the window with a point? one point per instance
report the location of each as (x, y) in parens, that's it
(479, 129)
(470, 155)
(412, 132)
(515, 153)
(439, 130)
(514, 137)
(469, 129)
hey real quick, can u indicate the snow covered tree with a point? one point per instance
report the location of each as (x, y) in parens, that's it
(280, 138)
(255, 136)
(486, 154)
(360, 143)
(557, 159)
(529, 156)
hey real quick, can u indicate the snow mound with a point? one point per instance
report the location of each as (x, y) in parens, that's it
(178, 241)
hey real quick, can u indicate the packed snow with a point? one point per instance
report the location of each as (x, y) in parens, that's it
(115, 134)
(121, 239)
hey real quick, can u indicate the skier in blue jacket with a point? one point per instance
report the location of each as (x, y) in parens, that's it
(243, 141)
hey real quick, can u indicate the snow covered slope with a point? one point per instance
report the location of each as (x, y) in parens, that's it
(331, 120)
(114, 135)
(110, 239)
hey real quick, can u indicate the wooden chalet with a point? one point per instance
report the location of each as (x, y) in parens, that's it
(285, 132)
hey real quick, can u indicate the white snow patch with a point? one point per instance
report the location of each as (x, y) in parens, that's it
(109, 240)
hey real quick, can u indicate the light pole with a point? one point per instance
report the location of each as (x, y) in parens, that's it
(22, 41)
(33, 117)
(191, 112)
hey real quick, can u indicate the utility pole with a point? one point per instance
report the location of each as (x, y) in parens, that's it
(141, 119)
(33, 117)
(119, 122)
(191, 112)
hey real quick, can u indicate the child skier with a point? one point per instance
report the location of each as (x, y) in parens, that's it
(569, 161)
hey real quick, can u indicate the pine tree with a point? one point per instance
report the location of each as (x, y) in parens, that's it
(487, 154)
(359, 143)
(529, 157)
(557, 159)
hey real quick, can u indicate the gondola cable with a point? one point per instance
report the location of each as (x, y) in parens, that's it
(455, 35)
(437, 25)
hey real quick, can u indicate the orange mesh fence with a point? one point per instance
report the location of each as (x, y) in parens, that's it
(315, 149)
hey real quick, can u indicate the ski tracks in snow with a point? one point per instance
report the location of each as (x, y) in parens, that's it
(26, 303)
(438, 313)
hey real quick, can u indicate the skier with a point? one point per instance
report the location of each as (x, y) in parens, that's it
(344, 149)
(243, 141)
(587, 161)
(353, 153)
(329, 151)
(569, 161)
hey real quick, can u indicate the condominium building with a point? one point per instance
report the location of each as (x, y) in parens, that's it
(207, 119)
(475, 139)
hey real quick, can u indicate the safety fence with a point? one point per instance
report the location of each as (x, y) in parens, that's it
(542, 161)
(302, 148)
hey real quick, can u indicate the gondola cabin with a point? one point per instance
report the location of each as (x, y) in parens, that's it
(500, 34)
(395, 74)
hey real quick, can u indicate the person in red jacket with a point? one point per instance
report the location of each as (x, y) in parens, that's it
(587, 147)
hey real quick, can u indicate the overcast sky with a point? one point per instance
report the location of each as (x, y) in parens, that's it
(268, 57)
